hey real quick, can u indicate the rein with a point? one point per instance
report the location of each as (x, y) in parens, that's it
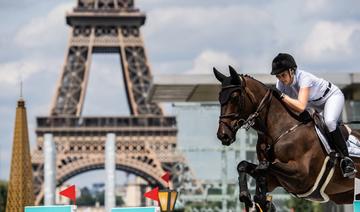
(293, 128)
(250, 121)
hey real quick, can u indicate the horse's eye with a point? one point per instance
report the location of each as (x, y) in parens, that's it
(235, 97)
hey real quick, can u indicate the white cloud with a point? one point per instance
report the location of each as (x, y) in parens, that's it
(327, 38)
(199, 18)
(44, 30)
(12, 72)
(208, 59)
(170, 67)
(315, 5)
(176, 35)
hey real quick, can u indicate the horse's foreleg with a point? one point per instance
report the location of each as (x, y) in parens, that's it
(262, 187)
(261, 183)
(243, 168)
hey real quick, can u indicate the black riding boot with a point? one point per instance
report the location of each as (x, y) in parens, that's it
(346, 164)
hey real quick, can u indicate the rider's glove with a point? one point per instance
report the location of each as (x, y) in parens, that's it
(277, 93)
(305, 116)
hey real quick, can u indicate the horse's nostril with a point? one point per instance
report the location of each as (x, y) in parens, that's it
(222, 136)
(226, 137)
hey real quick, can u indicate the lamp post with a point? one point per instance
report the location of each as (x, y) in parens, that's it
(167, 199)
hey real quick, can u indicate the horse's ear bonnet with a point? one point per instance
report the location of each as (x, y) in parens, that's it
(225, 94)
(235, 80)
(219, 76)
(228, 83)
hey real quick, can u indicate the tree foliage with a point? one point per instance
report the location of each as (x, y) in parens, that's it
(299, 204)
(3, 195)
(87, 198)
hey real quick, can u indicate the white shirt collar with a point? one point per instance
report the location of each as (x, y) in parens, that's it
(294, 79)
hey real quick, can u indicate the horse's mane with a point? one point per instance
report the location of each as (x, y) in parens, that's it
(290, 112)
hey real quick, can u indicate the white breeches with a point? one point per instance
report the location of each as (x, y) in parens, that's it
(333, 108)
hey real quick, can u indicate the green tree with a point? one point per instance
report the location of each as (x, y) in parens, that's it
(100, 197)
(299, 204)
(119, 201)
(86, 199)
(3, 195)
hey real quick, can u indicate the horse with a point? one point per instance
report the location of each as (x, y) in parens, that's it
(288, 149)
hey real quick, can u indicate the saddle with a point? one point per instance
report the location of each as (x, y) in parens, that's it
(317, 192)
(319, 122)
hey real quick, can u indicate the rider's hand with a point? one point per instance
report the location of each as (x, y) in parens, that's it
(277, 93)
(305, 116)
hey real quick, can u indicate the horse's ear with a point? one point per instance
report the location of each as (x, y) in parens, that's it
(232, 70)
(219, 75)
(234, 76)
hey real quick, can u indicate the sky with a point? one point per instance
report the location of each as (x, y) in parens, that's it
(181, 37)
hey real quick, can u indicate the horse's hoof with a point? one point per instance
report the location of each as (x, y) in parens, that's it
(266, 207)
(246, 198)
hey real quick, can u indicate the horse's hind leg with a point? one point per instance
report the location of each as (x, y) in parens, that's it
(243, 168)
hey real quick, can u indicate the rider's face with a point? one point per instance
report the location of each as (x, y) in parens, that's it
(285, 77)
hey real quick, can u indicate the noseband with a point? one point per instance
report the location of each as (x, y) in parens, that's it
(242, 123)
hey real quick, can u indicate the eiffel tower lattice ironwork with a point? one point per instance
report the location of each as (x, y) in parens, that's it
(145, 141)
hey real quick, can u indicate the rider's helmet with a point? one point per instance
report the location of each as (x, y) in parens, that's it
(282, 62)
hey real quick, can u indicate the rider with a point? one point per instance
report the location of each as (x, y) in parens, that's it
(299, 89)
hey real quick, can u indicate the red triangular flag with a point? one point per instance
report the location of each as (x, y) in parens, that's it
(166, 177)
(153, 194)
(69, 192)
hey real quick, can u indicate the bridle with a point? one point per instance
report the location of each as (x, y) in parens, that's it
(250, 121)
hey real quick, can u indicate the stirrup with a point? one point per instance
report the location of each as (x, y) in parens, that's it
(350, 174)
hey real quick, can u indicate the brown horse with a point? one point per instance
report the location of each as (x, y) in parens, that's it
(288, 149)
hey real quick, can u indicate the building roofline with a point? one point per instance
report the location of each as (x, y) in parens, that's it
(205, 87)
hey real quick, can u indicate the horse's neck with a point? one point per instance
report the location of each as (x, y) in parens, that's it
(276, 117)
(279, 119)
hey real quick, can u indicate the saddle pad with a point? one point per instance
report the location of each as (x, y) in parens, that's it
(353, 144)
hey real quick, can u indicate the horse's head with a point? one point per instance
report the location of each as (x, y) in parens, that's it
(233, 105)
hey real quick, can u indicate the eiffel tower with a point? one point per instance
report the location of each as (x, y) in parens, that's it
(145, 141)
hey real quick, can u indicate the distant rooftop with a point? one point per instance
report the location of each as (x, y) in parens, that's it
(205, 88)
